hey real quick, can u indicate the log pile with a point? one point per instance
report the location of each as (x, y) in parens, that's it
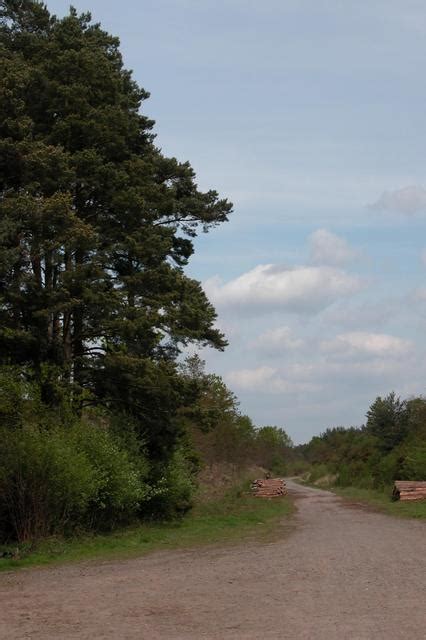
(269, 488)
(409, 490)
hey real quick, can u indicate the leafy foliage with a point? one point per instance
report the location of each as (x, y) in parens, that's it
(221, 433)
(100, 423)
(95, 226)
(45, 483)
(391, 446)
(386, 419)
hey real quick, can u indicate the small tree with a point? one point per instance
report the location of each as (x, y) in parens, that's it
(387, 420)
(272, 445)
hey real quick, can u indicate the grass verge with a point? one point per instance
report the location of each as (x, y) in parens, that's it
(235, 516)
(382, 500)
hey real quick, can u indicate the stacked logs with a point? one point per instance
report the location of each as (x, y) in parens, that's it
(409, 490)
(269, 488)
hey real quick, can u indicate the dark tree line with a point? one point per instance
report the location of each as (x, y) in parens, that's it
(96, 226)
(222, 434)
(390, 446)
(99, 423)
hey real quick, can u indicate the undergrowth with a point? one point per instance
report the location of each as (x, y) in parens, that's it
(235, 516)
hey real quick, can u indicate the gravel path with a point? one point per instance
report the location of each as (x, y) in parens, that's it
(341, 572)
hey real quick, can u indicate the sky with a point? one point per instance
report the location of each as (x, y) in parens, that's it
(309, 115)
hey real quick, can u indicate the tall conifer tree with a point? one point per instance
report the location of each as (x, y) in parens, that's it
(95, 224)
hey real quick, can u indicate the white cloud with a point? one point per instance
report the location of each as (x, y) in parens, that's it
(328, 249)
(278, 340)
(355, 369)
(269, 286)
(367, 344)
(251, 378)
(365, 315)
(420, 294)
(408, 200)
(265, 379)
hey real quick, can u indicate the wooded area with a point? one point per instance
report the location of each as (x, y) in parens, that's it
(391, 446)
(101, 422)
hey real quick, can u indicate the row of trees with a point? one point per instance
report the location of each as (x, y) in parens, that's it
(390, 446)
(60, 470)
(99, 422)
(96, 226)
(220, 432)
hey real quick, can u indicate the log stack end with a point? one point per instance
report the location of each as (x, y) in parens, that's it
(408, 490)
(269, 488)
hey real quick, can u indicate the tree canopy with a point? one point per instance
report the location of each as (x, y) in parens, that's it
(96, 224)
(390, 446)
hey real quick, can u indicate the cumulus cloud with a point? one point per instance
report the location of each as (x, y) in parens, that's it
(325, 373)
(408, 200)
(361, 343)
(419, 294)
(365, 315)
(268, 287)
(326, 248)
(251, 378)
(267, 380)
(277, 340)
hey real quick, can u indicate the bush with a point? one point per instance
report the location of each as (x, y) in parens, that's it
(387, 470)
(414, 465)
(298, 467)
(120, 481)
(45, 483)
(318, 471)
(174, 486)
(54, 480)
(354, 474)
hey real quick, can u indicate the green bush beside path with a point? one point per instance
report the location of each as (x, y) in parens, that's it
(236, 516)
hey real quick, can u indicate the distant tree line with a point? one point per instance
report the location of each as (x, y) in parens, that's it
(221, 433)
(390, 446)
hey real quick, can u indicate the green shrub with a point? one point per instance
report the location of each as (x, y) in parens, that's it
(298, 468)
(344, 476)
(45, 483)
(54, 480)
(174, 486)
(354, 474)
(364, 479)
(414, 464)
(120, 480)
(387, 470)
(318, 471)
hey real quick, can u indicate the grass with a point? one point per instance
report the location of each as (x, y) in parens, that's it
(382, 500)
(235, 516)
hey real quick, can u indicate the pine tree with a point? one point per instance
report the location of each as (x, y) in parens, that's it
(96, 225)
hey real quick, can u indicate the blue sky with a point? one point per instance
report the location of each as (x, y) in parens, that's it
(309, 115)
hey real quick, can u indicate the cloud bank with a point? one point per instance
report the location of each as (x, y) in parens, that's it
(326, 248)
(408, 201)
(273, 287)
(361, 343)
(268, 380)
(275, 341)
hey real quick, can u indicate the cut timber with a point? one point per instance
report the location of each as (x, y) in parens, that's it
(269, 488)
(409, 490)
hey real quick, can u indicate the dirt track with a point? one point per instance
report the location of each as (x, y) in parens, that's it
(342, 572)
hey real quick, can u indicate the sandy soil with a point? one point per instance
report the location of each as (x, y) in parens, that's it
(342, 572)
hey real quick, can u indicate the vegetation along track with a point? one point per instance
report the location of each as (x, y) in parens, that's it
(343, 571)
